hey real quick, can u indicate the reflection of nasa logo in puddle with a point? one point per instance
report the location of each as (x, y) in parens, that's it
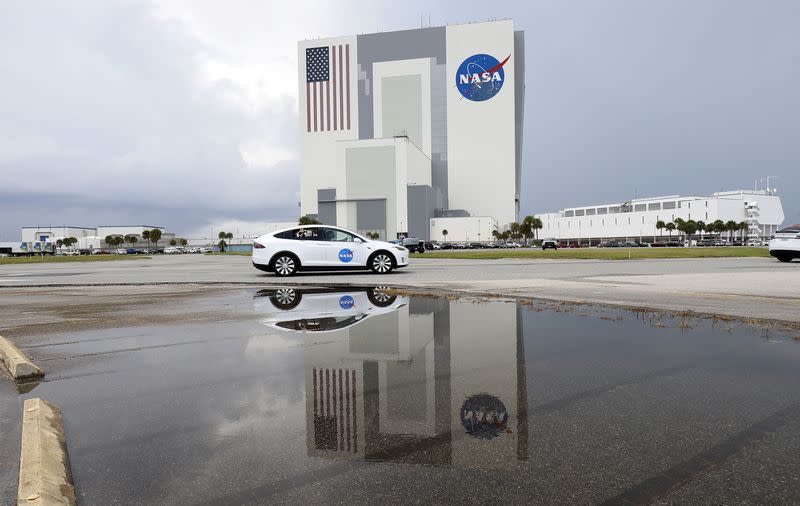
(480, 77)
(345, 255)
(484, 416)
(346, 302)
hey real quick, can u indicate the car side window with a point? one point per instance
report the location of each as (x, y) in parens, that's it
(334, 235)
(288, 234)
(309, 234)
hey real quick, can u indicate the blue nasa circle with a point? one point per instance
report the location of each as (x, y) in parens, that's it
(480, 77)
(345, 255)
(484, 416)
(346, 302)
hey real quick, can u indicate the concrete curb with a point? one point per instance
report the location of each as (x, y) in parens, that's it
(16, 362)
(44, 474)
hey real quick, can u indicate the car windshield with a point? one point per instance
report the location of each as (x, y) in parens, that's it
(794, 229)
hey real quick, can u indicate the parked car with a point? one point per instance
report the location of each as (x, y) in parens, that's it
(120, 251)
(549, 244)
(413, 245)
(785, 245)
(322, 247)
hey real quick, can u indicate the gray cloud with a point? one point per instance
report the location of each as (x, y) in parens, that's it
(110, 103)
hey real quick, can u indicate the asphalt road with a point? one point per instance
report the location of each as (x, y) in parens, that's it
(742, 287)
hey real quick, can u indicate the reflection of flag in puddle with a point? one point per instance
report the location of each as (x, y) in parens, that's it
(335, 410)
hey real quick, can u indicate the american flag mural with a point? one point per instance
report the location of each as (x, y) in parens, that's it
(335, 424)
(328, 88)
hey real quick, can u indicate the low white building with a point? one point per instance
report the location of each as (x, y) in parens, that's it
(636, 219)
(123, 230)
(463, 229)
(52, 234)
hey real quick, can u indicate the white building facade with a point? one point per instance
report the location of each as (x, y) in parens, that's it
(636, 219)
(399, 128)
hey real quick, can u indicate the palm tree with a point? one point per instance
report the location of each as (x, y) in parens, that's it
(173, 242)
(184, 242)
(660, 225)
(701, 227)
(731, 226)
(146, 237)
(526, 228)
(109, 239)
(59, 243)
(444, 234)
(155, 235)
(537, 225)
(130, 239)
(689, 228)
(670, 227)
(306, 220)
(742, 227)
(223, 235)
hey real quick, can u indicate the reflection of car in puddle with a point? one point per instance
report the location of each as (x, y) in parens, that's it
(323, 309)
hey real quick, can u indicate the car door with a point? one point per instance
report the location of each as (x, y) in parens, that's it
(310, 247)
(343, 249)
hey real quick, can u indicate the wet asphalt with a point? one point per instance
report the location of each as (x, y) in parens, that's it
(351, 397)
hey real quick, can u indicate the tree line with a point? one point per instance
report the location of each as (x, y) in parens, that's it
(691, 227)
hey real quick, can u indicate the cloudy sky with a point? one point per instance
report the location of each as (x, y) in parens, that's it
(183, 113)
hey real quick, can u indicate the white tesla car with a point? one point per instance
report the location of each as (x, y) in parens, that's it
(323, 309)
(785, 245)
(324, 247)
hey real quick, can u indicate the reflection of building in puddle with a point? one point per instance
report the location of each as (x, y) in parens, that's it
(432, 382)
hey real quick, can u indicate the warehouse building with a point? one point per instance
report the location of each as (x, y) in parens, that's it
(400, 128)
(636, 219)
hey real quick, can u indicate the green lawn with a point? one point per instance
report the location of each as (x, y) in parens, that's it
(54, 260)
(599, 253)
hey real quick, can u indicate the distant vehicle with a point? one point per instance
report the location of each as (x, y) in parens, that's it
(323, 247)
(324, 309)
(132, 251)
(757, 242)
(413, 245)
(120, 251)
(705, 242)
(549, 244)
(173, 251)
(785, 245)
(513, 245)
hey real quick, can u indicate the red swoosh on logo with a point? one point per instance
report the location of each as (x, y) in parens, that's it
(491, 70)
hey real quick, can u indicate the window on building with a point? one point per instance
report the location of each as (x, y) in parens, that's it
(591, 212)
(613, 210)
(668, 205)
(579, 212)
(640, 207)
(602, 210)
(706, 216)
(642, 219)
(569, 214)
(655, 206)
(629, 220)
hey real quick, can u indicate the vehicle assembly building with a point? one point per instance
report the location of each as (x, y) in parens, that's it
(400, 128)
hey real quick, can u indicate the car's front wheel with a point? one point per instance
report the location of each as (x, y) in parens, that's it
(285, 265)
(381, 263)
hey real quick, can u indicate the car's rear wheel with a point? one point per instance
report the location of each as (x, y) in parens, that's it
(381, 263)
(286, 298)
(285, 265)
(784, 258)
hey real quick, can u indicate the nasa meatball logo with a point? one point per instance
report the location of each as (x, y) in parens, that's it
(484, 416)
(480, 77)
(346, 302)
(345, 255)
